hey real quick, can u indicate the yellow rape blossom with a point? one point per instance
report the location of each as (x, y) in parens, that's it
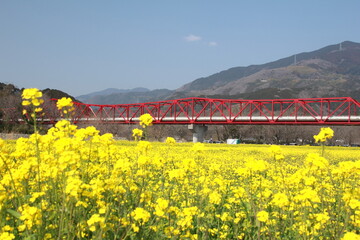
(7, 236)
(137, 134)
(324, 134)
(170, 140)
(280, 200)
(262, 216)
(141, 215)
(275, 149)
(186, 217)
(65, 104)
(95, 220)
(30, 216)
(316, 161)
(35, 196)
(92, 186)
(215, 198)
(161, 206)
(32, 96)
(146, 120)
(256, 165)
(351, 236)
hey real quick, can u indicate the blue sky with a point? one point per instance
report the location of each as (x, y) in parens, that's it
(82, 46)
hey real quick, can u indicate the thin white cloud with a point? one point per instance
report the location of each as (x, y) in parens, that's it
(192, 38)
(212, 44)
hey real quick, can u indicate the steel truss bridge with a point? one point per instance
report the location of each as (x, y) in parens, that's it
(206, 111)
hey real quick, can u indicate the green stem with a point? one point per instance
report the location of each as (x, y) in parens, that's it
(37, 150)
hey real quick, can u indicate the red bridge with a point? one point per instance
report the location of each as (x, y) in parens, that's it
(198, 112)
(315, 111)
(323, 111)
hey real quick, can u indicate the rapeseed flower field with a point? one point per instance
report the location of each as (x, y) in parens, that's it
(78, 184)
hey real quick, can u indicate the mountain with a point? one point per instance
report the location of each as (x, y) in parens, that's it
(10, 95)
(109, 91)
(129, 97)
(54, 93)
(330, 71)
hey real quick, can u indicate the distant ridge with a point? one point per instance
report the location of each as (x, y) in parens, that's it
(136, 95)
(330, 71)
(108, 91)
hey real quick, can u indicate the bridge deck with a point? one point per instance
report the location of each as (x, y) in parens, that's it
(236, 119)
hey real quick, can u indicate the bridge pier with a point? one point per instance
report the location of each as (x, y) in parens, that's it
(198, 132)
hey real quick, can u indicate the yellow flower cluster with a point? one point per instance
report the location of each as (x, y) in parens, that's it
(7, 236)
(146, 120)
(137, 133)
(77, 184)
(324, 134)
(32, 96)
(262, 216)
(65, 104)
(170, 140)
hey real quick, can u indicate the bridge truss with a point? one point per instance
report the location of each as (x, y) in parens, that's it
(306, 111)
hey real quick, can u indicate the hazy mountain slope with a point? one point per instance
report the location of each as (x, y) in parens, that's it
(130, 97)
(109, 91)
(329, 71)
(316, 77)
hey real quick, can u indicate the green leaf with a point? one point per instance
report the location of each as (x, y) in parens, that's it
(14, 213)
(31, 237)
